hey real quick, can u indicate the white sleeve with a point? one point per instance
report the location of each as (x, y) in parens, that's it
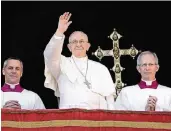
(2, 99)
(52, 55)
(52, 58)
(167, 99)
(110, 102)
(38, 103)
(169, 106)
(122, 102)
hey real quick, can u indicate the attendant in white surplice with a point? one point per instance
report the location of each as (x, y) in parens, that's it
(147, 95)
(78, 81)
(13, 95)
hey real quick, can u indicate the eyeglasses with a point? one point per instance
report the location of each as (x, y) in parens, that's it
(80, 41)
(145, 64)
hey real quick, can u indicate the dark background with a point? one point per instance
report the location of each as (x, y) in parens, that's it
(26, 28)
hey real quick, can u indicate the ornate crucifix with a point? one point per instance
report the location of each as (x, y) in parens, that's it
(116, 52)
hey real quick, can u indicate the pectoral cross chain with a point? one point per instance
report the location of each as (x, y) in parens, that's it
(87, 83)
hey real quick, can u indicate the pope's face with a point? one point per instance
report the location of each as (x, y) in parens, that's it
(79, 44)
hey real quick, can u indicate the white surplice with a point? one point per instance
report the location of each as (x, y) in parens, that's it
(63, 76)
(27, 99)
(134, 98)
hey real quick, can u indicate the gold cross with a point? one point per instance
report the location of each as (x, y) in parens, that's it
(116, 52)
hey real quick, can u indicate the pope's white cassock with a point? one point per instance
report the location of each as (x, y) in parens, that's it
(135, 98)
(64, 77)
(27, 99)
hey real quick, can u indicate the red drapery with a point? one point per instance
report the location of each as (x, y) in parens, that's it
(84, 120)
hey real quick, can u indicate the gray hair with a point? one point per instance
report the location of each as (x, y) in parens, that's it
(13, 58)
(147, 52)
(75, 33)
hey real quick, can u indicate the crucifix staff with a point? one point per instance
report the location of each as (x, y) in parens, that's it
(116, 53)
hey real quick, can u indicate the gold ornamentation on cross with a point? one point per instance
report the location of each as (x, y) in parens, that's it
(116, 53)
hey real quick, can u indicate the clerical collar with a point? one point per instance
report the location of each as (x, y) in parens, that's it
(12, 88)
(148, 84)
